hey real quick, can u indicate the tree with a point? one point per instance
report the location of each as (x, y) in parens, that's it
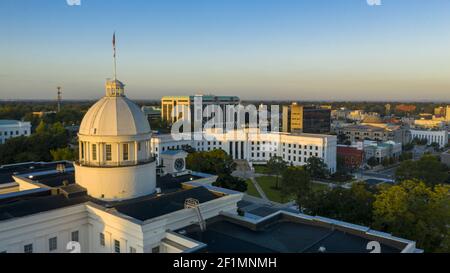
(276, 166)
(428, 169)
(230, 182)
(406, 156)
(63, 154)
(352, 205)
(372, 162)
(316, 167)
(296, 181)
(415, 211)
(214, 162)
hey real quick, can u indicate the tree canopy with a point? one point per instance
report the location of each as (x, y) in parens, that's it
(276, 166)
(316, 167)
(217, 162)
(428, 169)
(415, 211)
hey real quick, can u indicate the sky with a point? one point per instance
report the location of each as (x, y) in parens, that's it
(255, 49)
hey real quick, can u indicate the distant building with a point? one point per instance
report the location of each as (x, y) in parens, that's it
(258, 147)
(306, 119)
(405, 108)
(377, 132)
(13, 128)
(429, 123)
(168, 103)
(432, 136)
(440, 111)
(152, 112)
(445, 158)
(352, 156)
(447, 114)
(382, 151)
(43, 113)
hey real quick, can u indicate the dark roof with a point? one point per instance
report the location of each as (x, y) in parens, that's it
(55, 179)
(151, 207)
(282, 236)
(6, 172)
(170, 183)
(27, 205)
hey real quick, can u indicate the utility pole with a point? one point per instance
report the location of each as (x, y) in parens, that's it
(59, 97)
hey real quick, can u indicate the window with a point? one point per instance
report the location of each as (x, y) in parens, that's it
(132, 249)
(108, 152)
(125, 151)
(75, 236)
(82, 150)
(102, 239)
(94, 151)
(116, 246)
(139, 146)
(28, 248)
(52, 244)
(155, 249)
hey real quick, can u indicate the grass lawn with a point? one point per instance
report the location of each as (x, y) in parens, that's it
(267, 183)
(260, 169)
(251, 190)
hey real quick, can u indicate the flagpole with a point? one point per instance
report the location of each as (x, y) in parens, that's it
(115, 59)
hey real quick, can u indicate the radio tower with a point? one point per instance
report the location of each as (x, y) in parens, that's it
(59, 95)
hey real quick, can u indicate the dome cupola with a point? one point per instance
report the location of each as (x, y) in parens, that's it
(115, 159)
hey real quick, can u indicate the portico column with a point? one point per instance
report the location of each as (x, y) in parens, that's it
(136, 152)
(118, 154)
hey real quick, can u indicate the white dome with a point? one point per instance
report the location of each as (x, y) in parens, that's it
(114, 115)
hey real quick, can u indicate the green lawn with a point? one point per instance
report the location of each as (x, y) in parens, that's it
(251, 190)
(260, 169)
(267, 183)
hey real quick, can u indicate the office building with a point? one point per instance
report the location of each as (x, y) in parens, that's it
(306, 119)
(168, 103)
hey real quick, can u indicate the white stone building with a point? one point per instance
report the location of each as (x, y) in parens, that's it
(257, 147)
(432, 136)
(13, 128)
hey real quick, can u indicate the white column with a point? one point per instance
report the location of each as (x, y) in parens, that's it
(136, 152)
(118, 154)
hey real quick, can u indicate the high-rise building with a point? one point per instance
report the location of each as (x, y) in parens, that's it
(168, 103)
(447, 114)
(306, 119)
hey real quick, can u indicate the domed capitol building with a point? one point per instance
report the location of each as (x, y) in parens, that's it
(112, 201)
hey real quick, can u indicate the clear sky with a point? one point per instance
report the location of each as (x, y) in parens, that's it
(256, 49)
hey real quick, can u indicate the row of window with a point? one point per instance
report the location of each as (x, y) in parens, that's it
(116, 244)
(108, 151)
(11, 133)
(311, 147)
(52, 243)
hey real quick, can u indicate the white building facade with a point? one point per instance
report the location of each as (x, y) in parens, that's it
(13, 128)
(432, 136)
(258, 147)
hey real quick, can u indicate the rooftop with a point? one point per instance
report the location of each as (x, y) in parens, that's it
(10, 122)
(153, 206)
(8, 171)
(286, 234)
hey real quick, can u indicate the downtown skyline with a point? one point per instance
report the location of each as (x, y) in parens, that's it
(268, 50)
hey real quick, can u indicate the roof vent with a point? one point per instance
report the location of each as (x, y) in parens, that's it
(61, 168)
